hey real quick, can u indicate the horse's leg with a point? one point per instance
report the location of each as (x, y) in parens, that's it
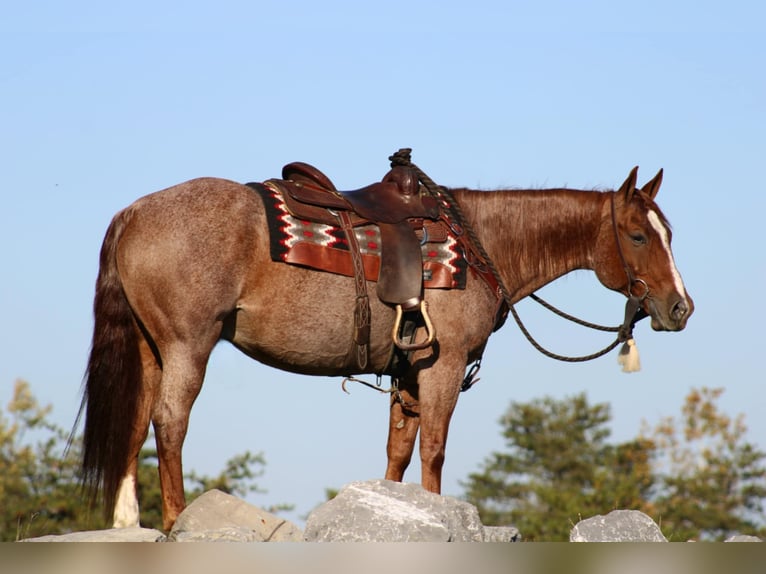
(126, 511)
(182, 375)
(439, 388)
(403, 425)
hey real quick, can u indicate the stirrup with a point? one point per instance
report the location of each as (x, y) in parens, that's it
(431, 334)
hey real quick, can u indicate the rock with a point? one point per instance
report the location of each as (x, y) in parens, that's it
(217, 516)
(743, 538)
(372, 511)
(501, 534)
(386, 511)
(617, 526)
(226, 534)
(109, 535)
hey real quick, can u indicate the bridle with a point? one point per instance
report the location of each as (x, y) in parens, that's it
(633, 308)
(459, 225)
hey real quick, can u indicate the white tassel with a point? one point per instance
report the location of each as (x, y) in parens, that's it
(629, 358)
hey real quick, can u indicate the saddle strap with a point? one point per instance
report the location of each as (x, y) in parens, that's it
(362, 307)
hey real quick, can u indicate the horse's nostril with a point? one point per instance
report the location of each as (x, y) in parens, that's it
(679, 310)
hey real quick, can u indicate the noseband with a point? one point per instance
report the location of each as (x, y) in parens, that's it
(634, 311)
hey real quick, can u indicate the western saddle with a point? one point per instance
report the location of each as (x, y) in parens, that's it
(397, 206)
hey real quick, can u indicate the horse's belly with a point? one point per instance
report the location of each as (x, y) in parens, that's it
(306, 325)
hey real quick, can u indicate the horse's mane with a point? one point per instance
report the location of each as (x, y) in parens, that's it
(555, 226)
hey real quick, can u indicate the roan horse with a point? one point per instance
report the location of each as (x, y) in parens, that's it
(186, 267)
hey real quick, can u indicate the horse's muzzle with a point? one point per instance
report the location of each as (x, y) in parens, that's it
(673, 316)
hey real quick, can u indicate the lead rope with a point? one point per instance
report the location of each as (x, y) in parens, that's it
(628, 355)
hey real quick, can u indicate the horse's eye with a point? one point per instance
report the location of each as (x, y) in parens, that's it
(638, 238)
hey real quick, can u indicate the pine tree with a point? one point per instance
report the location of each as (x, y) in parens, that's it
(697, 477)
(40, 479)
(39, 490)
(558, 468)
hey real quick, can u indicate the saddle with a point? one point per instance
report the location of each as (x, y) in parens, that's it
(394, 204)
(401, 212)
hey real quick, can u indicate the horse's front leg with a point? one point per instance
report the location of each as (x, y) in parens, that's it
(404, 420)
(439, 387)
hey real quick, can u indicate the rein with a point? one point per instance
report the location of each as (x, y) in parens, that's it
(633, 310)
(633, 313)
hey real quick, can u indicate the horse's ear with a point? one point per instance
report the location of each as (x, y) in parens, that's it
(653, 186)
(629, 187)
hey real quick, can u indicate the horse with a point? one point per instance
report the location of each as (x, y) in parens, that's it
(186, 267)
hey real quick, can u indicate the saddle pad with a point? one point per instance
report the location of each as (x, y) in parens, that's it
(325, 247)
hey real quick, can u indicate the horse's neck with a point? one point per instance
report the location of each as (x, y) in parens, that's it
(535, 236)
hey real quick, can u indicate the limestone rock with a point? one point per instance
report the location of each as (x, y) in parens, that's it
(217, 516)
(617, 526)
(743, 538)
(386, 511)
(109, 535)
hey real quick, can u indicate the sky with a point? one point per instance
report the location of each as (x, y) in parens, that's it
(103, 103)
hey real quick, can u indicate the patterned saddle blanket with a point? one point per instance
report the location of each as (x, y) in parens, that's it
(325, 247)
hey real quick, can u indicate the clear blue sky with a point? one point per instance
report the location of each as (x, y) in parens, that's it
(105, 102)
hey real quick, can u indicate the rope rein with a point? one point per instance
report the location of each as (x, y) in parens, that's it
(403, 157)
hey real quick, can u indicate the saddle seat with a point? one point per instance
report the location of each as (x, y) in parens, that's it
(392, 200)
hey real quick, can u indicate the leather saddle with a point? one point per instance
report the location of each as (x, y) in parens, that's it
(392, 200)
(394, 204)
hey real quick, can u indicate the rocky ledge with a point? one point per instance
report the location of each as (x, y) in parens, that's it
(371, 511)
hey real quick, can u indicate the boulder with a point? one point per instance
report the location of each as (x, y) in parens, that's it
(743, 538)
(386, 511)
(109, 535)
(617, 526)
(219, 517)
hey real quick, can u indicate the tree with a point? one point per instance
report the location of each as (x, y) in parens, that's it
(40, 489)
(557, 469)
(711, 482)
(696, 478)
(38, 486)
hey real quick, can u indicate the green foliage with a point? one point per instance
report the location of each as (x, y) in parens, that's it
(712, 481)
(558, 468)
(39, 492)
(697, 477)
(39, 478)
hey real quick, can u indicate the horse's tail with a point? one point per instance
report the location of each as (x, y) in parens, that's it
(112, 380)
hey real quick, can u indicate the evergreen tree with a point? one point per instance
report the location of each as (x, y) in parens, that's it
(40, 482)
(39, 493)
(558, 468)
(697, 477)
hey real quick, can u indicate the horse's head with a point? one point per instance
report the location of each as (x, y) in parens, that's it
(634, 255)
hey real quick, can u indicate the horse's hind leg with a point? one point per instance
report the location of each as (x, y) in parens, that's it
(182, 376)
(403, 424)
(126, 511)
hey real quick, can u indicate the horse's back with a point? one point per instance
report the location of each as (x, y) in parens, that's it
(197, 215)
(197, 201)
